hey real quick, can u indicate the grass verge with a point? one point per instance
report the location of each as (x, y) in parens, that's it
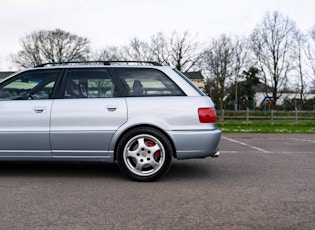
(264, 128)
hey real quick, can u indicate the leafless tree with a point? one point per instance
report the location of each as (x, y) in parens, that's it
(158, 48)
(178, 50)
(299, 53)
(110, 53)
(51, 46)
(241, 61)
(310, 51)
(137, 50)
(219, 64)
(272, 42)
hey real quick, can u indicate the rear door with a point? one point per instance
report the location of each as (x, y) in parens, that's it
(84, 121)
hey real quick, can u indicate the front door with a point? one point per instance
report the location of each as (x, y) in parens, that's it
(25, 107)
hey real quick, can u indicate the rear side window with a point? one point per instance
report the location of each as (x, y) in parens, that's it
(89, 83)
(189, 82)
(147, 82)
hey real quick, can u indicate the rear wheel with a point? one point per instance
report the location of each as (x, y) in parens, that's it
(144, 154)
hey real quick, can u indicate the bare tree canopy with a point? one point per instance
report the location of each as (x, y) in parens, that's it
(218, 61)
(112, 53)
(179, 50)
(299, 53)
(272, 43)
(312, 33)
(138, 50)
(310, 51)
(51, 46)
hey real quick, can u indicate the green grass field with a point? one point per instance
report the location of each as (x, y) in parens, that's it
(266, 128)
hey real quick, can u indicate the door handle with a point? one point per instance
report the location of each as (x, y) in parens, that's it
(112, 108)
(39, 109)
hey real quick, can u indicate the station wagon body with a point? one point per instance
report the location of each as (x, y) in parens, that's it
(140, 116)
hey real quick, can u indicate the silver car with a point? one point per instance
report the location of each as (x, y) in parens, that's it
(140, 115)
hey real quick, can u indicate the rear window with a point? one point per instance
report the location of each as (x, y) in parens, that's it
(147, 82)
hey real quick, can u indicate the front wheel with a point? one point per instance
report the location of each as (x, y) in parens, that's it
(144, 154)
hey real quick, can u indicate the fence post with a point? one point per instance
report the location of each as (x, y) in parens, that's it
(247, 116)
(222, 117)
(296, 116)
(272, 117)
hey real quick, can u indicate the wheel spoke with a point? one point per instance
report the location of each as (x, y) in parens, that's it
(154, 164)
(139, 166)
(153, 149)
(131, 153)
(141, 143)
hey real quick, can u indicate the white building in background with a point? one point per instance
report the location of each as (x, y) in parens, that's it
(261, 97)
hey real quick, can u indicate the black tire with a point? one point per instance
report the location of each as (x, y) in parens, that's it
(144, 154)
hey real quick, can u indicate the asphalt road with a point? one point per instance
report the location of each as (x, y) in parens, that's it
(260, 181)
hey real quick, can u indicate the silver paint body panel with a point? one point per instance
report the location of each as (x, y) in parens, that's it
(88, 129)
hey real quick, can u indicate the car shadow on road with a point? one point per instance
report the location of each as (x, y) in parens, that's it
(180, 170)
(56, 169)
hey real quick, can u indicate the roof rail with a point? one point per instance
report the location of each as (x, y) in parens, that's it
(100, 62)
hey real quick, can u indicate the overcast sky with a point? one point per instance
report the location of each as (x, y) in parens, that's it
(114, 22)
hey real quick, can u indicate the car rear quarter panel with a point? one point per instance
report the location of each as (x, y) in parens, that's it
(178, 117)
(171, 113)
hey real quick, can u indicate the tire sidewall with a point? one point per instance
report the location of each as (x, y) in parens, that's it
(168, 153)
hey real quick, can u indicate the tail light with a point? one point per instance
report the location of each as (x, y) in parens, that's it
(207, 115)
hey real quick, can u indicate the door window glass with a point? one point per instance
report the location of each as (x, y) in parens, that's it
(31, 85)
(93, 83)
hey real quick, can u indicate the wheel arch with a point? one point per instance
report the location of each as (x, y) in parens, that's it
(143, 126)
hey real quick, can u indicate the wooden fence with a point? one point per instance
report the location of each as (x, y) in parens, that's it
(272, 117)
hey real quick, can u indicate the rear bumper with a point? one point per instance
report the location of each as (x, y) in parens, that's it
(196, 144)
